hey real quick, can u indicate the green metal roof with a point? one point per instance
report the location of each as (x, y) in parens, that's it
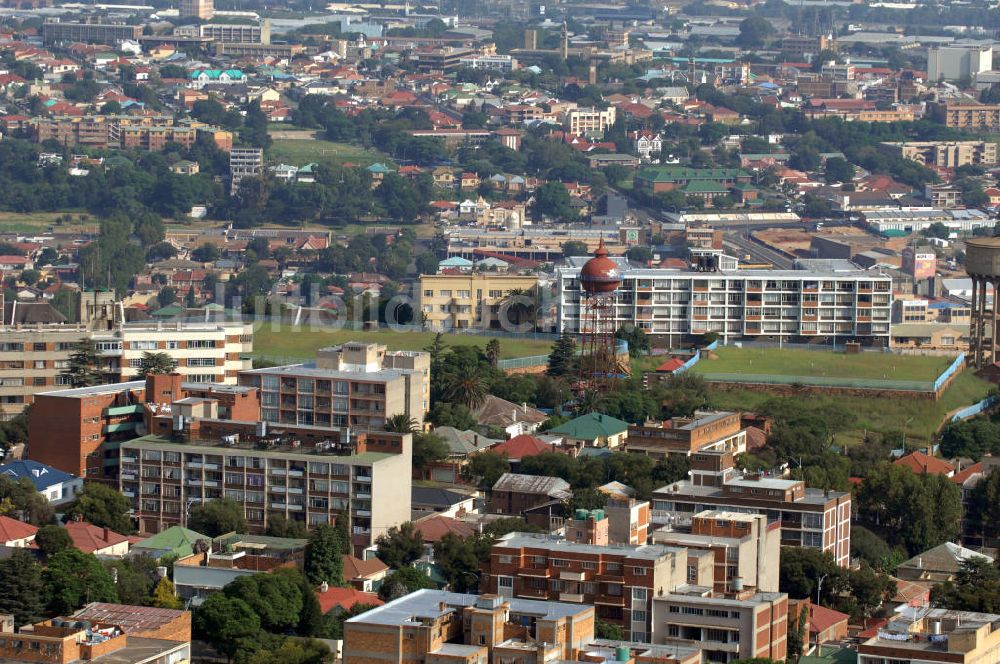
(175, 539)
(591, 426)
(705, 187)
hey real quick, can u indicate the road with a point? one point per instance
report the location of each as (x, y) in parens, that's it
(758, 252)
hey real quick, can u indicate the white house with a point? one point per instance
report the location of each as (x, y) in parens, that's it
(57, 487)
(647, 144)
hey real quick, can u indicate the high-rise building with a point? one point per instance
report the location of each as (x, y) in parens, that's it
(354, 384)
(244, 163)
(201, 9)
(811, 518)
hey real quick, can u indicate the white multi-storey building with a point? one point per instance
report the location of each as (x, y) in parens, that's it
(787, 305)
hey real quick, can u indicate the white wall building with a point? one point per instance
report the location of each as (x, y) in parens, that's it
(955, 62)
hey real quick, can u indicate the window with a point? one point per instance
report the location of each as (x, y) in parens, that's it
(142, 345)
(39, 364)
(173, 345)
(639, 594)
(639, 571)
(201, 343)
(504, 560)
(428, 293)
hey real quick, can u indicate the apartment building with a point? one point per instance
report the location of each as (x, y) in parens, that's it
(305, 474)
(354, 384)
(745, 626)
(589, 120)
(968, 115)
(34, 357)
(238, 33)
(111, 34)
(628, 517)
(67, 640)
(719, 430)
(955, 62)
(922, 635)
(79, 430)
(496, 62)
(200, 9)
(147, 132)
(443, 59)
(744, 548)
(811, 518)
(438, 627)
(244, 163)
(800, 305)
(946, 154)
(620, 581)
(476, 300)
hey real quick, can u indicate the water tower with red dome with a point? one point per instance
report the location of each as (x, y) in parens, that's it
(600, 277)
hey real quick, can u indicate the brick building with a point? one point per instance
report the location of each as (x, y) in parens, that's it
(620, 581)
(811, 518)
(437, 627)
(687, 435)
(513, 494)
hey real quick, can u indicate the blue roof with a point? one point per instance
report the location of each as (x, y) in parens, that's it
(41, 476)
(945, 305)
(455, 261)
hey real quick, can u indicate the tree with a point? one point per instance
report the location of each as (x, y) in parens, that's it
(575, 248)
(82, 366)
(838, 169)
(156, 363)
(937, 230)
(165, 596)
(403, 581)
(639, 254)
(21, 588)
(869, 590)
(459, 561)
(485, 468)
(984, 506)
(104, 507)
(52, 539)
(444, 414)
(254, 131)
(401, 423)
(206, 253)
(467, 389)
(562, 357)
(976, 588)
(400, 545)
(606, 630)
(427, 449)
(427, 263)
(917, 511)
(276, 597)
(226, 623)
(74, 578)
(635, 337)
(217, 517)
(493, 351)
(135, 577)
(323, 561)
(801, 569)
(166, 296)
(753, 31)
(280, 526)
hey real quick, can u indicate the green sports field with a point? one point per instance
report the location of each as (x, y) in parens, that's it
(299, 152)
(789, 362)
(295, 343)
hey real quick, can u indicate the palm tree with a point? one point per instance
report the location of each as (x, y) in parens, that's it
(469, 390)
(588, 402)
(401, 423)
(493, 351)
(520, 304)
(156, 363)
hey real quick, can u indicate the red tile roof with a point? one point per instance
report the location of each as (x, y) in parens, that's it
(921, 463)
(355, 568)
(436, 526)
(345, 598)
(962, 475)
(89, 538)
(822, 618)
(12, 529)
(520, 447)
(671, 365)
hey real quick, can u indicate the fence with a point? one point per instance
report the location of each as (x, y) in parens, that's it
(694, 359)
(974, 409)
(954, 368)
(539, 360)
(821, 381)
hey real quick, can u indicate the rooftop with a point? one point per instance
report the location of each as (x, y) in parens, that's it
(407, 610)
(557, 543)
(281, 449)
(130, 618)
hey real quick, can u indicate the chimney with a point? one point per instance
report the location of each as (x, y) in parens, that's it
(107, 533)
(323, 587)
(443, 606)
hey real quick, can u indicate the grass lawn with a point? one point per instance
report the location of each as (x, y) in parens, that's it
(39, 222)
(293, 343)
(920, 418)
(299, 152)
(788, 362)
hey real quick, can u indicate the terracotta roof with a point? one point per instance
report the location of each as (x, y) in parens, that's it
(756, 439)
(822, 618)
(345, 598)
(910, 592)
(435, 526)
(520, 447)
(923, 464)
(355, 568)
(671, 365)
(12, 529)
(90, 538)
(961, 476)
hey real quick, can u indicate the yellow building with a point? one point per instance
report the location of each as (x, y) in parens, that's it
(471, 300)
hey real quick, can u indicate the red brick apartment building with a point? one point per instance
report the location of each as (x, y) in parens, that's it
(811, 518)
(686, 435)
(79, 430)
(620, 581)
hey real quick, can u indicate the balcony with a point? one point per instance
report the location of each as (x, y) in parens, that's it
(194, 465)
(571, 597)
(362, 513)
(295, 490)
(278, 506)
(128, 476)
(567, 575)
(541, 572)
(129, 459)
(363, 478)
(610, 600)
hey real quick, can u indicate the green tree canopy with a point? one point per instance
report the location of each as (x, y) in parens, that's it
(74, 578)
(400, 545)
(104, 507)
(323, 561)
(217, 517)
